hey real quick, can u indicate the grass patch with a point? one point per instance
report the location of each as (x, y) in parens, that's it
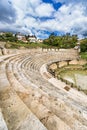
(19, 44)
(83, 55)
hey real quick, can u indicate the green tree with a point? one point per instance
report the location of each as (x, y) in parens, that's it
(8, 36)
(65, 41)
(83, 45)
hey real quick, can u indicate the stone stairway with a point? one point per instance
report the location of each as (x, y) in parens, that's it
(16, 114)
(29, 101)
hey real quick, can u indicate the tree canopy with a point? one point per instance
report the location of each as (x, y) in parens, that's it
(83, 45)
(8, 36)
(65, 41)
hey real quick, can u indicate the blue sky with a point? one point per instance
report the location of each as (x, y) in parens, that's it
(42, 17)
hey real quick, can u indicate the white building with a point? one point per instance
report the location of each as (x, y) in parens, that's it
(32, 38)
(2, 33)
(40, 41)
(21, 37)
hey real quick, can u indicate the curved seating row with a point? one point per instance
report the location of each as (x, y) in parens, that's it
(43, 104)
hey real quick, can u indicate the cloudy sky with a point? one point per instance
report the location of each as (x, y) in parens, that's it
(42, 17)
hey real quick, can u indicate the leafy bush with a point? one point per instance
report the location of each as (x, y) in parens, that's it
(66, 41)
(83, 45)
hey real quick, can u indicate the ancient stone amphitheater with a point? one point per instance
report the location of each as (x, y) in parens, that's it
(32, 99)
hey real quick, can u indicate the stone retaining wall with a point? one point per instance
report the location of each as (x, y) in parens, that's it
(57, 65)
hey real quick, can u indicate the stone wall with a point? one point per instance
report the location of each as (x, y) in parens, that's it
(72, 51)
(3, 50)
(61, 64)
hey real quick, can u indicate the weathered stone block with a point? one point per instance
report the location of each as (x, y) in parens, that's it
(62, 63)
(53, 66)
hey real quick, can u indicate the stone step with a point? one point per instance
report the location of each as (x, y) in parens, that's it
(54, 109)
(4, 84)
(47, 113)
(23, 90)
(16, 114)
(3, 125)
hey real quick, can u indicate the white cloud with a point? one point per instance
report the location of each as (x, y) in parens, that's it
(70, 17)
(44, 10)
(67, 19)
(28, 13)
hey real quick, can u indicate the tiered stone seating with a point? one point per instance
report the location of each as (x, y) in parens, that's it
(16, 114)
(40, 107)
(36, 101)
